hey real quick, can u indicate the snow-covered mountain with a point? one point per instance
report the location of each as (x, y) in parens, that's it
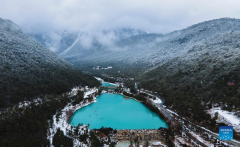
(132, 46)
(43, 39)
(83, 44)
(154, 49)
(28, 69)
(84, 40)
(206, 73)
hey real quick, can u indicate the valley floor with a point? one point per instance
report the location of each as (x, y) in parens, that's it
(191, 135)
(61, 121)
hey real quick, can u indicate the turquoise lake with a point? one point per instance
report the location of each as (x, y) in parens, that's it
(107, 84)
(112, 110)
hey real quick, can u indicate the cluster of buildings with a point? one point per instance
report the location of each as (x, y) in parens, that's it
(140, 136)
(98, 67)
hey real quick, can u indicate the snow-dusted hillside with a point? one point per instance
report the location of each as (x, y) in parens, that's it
(43, 39)
(207, 73)
(214, 52)
(28, 69)
(68, 43)
(15, 46)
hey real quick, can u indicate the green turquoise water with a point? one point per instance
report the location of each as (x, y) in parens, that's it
(112, 110)
(107, 84)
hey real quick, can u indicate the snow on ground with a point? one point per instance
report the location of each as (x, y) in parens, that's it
(27, 103)
(209, 144)
(176, 143)
(89, 92)
(127, 144)
(158, 143)
(203, 127)
(64, 125)
(217, 134)
(23, 104)
(103, 91)
(99, 79)
(226, 117)
(116, 84)
(74, 91)
(172, 112)
(157, 100)
(179, 140)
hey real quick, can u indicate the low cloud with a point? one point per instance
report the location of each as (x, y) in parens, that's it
(158, 16)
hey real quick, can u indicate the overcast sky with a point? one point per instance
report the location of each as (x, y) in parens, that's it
(155, 16)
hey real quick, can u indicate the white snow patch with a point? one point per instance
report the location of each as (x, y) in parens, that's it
(202, 127)
(179, 140)
(159, 143)
(99, 79)
(172, 112)
(65, 126)
(90, 92)
(157, 100)
(226, 117)
(103, 91)
(74, 91)
(209, 144)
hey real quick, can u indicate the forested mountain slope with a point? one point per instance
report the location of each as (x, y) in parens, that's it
(28, 69)
(208, 73)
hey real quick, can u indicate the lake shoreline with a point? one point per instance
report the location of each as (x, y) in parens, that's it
(130, 97)
(110, 108)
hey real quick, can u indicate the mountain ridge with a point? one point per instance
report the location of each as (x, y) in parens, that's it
(29, 70)
(200, 76)
(153, 49)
